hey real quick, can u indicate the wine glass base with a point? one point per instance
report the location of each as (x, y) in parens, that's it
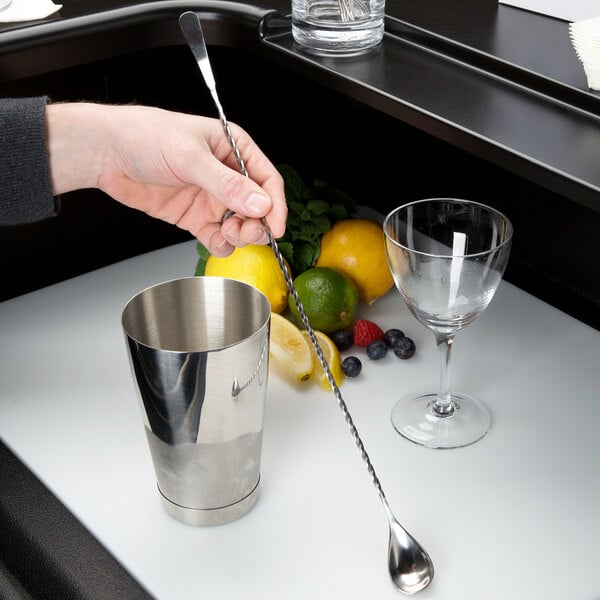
(414, 419)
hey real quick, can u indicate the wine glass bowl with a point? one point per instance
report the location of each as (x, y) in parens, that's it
(447, 257)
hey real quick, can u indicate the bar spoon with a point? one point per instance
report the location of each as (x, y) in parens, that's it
(410, 567)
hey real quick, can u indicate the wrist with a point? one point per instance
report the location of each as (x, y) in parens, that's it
(76, 135)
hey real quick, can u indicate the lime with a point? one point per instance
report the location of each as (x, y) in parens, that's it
(329, 299)
(256, 266)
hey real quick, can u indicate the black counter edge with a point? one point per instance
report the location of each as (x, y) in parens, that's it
(577, 98)
(126, 16)
(254, 17)
(45, 552)
(581, 192)
(251, 26)
(72, 41)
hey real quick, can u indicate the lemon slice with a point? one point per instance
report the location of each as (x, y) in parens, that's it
(290, 350)
(332, 356)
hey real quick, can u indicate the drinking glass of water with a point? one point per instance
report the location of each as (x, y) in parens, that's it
(338, 27)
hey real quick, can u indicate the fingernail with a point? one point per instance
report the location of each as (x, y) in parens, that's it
(218, 242)
(231, 231)
(257, 204)
(258, 236)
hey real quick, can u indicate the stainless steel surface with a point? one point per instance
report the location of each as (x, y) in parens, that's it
(410, 567)
(199, 353)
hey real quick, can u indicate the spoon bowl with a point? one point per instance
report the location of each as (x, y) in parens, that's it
(409, 565)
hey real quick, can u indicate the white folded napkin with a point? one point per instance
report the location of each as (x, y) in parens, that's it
(567, 10)
(585, 37)
(28, 10)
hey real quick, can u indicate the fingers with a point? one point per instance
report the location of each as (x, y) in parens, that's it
(238, 194)
(235, 232)
(214, 240)
(253, 232)
(193, 178)
(259, 195)
(239, 231)
(276, 219)
(234, 191)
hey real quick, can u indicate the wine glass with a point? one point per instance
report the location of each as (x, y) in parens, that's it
(447, 257)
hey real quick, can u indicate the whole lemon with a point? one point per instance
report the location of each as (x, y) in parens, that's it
(256, 266)
(356, 247)
(329, 299)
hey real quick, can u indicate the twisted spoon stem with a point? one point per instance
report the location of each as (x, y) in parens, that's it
(303, 316)
(410, 567)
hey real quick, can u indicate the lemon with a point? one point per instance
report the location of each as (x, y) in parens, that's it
(256, 266)
(333, 358)
(356, 247)
(289, 350)
(329, 299)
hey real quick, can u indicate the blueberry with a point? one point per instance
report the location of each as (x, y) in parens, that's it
(351, 366)
(392, 337)
(343, 339)
(377, 349)
(405, 348)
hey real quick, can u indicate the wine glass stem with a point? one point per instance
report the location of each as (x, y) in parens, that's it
(443, 405)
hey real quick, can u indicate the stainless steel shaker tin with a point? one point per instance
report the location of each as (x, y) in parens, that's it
(198, 350)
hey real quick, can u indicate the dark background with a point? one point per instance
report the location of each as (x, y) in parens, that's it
(380, 161)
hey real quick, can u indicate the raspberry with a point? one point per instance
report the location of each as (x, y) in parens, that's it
(365, 332)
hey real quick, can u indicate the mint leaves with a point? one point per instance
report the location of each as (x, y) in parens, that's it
(312, 210)
(203, 255)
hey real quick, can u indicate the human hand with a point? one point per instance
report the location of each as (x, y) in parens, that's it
(175, 167)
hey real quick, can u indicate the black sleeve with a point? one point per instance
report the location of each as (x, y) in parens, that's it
(25, 189)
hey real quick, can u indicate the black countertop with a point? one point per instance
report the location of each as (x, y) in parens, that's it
(496, 81)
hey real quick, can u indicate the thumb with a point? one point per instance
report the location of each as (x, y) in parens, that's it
(234, 190)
